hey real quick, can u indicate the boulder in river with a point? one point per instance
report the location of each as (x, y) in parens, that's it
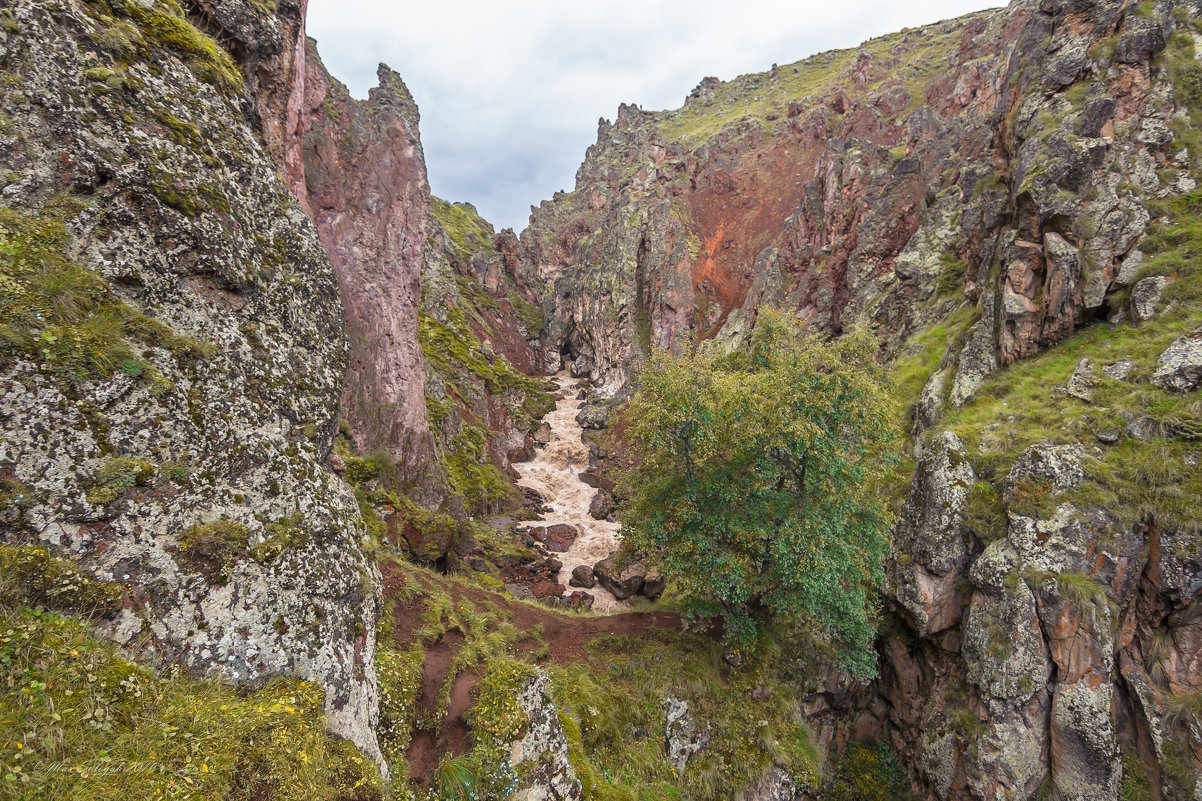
(580, 600)
(602, 505)
(621, 583)
(557, 537)
(583, 576)
(593, 415)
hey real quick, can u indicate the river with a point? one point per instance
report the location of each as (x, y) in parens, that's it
(555, 474)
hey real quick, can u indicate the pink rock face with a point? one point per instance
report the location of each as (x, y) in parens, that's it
(361, 175)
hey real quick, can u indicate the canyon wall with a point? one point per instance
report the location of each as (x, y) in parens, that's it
(1006, 199)
(174, 346)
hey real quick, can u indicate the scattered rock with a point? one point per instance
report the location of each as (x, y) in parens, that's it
(546, 589)
(1145, 297)
(1119, 370)
(621, 583)
(1081, 383)
(543, 435)
(583, 576)
(520, 591)
(1180, 366)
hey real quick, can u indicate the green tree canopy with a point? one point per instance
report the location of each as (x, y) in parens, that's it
(753, 490)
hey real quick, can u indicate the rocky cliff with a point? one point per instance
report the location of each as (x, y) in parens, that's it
(875, 185)
(1008, 200)
(362, 178)
(173, 352)
(212, 254)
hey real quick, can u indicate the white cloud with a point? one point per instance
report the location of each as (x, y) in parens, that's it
(510, 92)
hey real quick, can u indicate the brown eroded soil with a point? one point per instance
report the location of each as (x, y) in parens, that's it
(566, 637)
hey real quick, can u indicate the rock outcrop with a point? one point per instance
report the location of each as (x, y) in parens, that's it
(363, 181)
(174, 349)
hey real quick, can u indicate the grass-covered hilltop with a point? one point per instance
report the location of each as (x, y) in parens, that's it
(884, 367)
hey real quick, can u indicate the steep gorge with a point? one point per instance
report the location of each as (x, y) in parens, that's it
(216, 255)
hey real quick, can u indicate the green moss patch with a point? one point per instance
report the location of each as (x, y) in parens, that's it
(82, 722)
(611, 708)
(163, 25)
(468, 231)
(31, 576)
(59, 315)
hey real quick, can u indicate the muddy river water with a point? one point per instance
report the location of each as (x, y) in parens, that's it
(555, 474)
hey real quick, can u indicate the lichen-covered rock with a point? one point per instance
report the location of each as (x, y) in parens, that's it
(192, 470)
(774, 785)
(930, 532)
(682, 736)
(540, 756)
(1180, 366)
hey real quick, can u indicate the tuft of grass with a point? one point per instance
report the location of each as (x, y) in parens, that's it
(984, 513)
(868, 773)
(212, 549)
(30, 576)
(116, 477)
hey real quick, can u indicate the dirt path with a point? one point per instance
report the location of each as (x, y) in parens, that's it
(566, 637)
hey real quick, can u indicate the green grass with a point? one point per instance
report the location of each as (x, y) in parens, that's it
(468, 231)
(79, 721)
(909, 65)
(164, 25)
(611, 709)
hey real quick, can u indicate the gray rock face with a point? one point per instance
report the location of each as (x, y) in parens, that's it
(184, 216)
(930, 532)
(541, 755)
(682, 737)
(1180, 366)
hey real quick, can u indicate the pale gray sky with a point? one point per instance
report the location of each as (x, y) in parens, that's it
(510, 91)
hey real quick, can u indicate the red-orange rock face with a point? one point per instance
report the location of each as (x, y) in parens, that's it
(360, 173)
(877, 186)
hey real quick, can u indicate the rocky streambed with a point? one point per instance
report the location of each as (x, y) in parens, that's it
(554, 473)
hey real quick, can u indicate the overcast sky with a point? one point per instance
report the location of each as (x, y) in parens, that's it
(510, 91)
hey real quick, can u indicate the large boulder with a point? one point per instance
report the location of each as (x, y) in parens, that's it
(621, 582)
(583, 576)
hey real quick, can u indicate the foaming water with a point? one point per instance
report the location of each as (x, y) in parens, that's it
(555, 473)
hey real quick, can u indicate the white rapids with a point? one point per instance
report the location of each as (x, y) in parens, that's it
(554, 473)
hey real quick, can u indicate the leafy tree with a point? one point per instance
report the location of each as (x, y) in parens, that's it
(753, 487)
